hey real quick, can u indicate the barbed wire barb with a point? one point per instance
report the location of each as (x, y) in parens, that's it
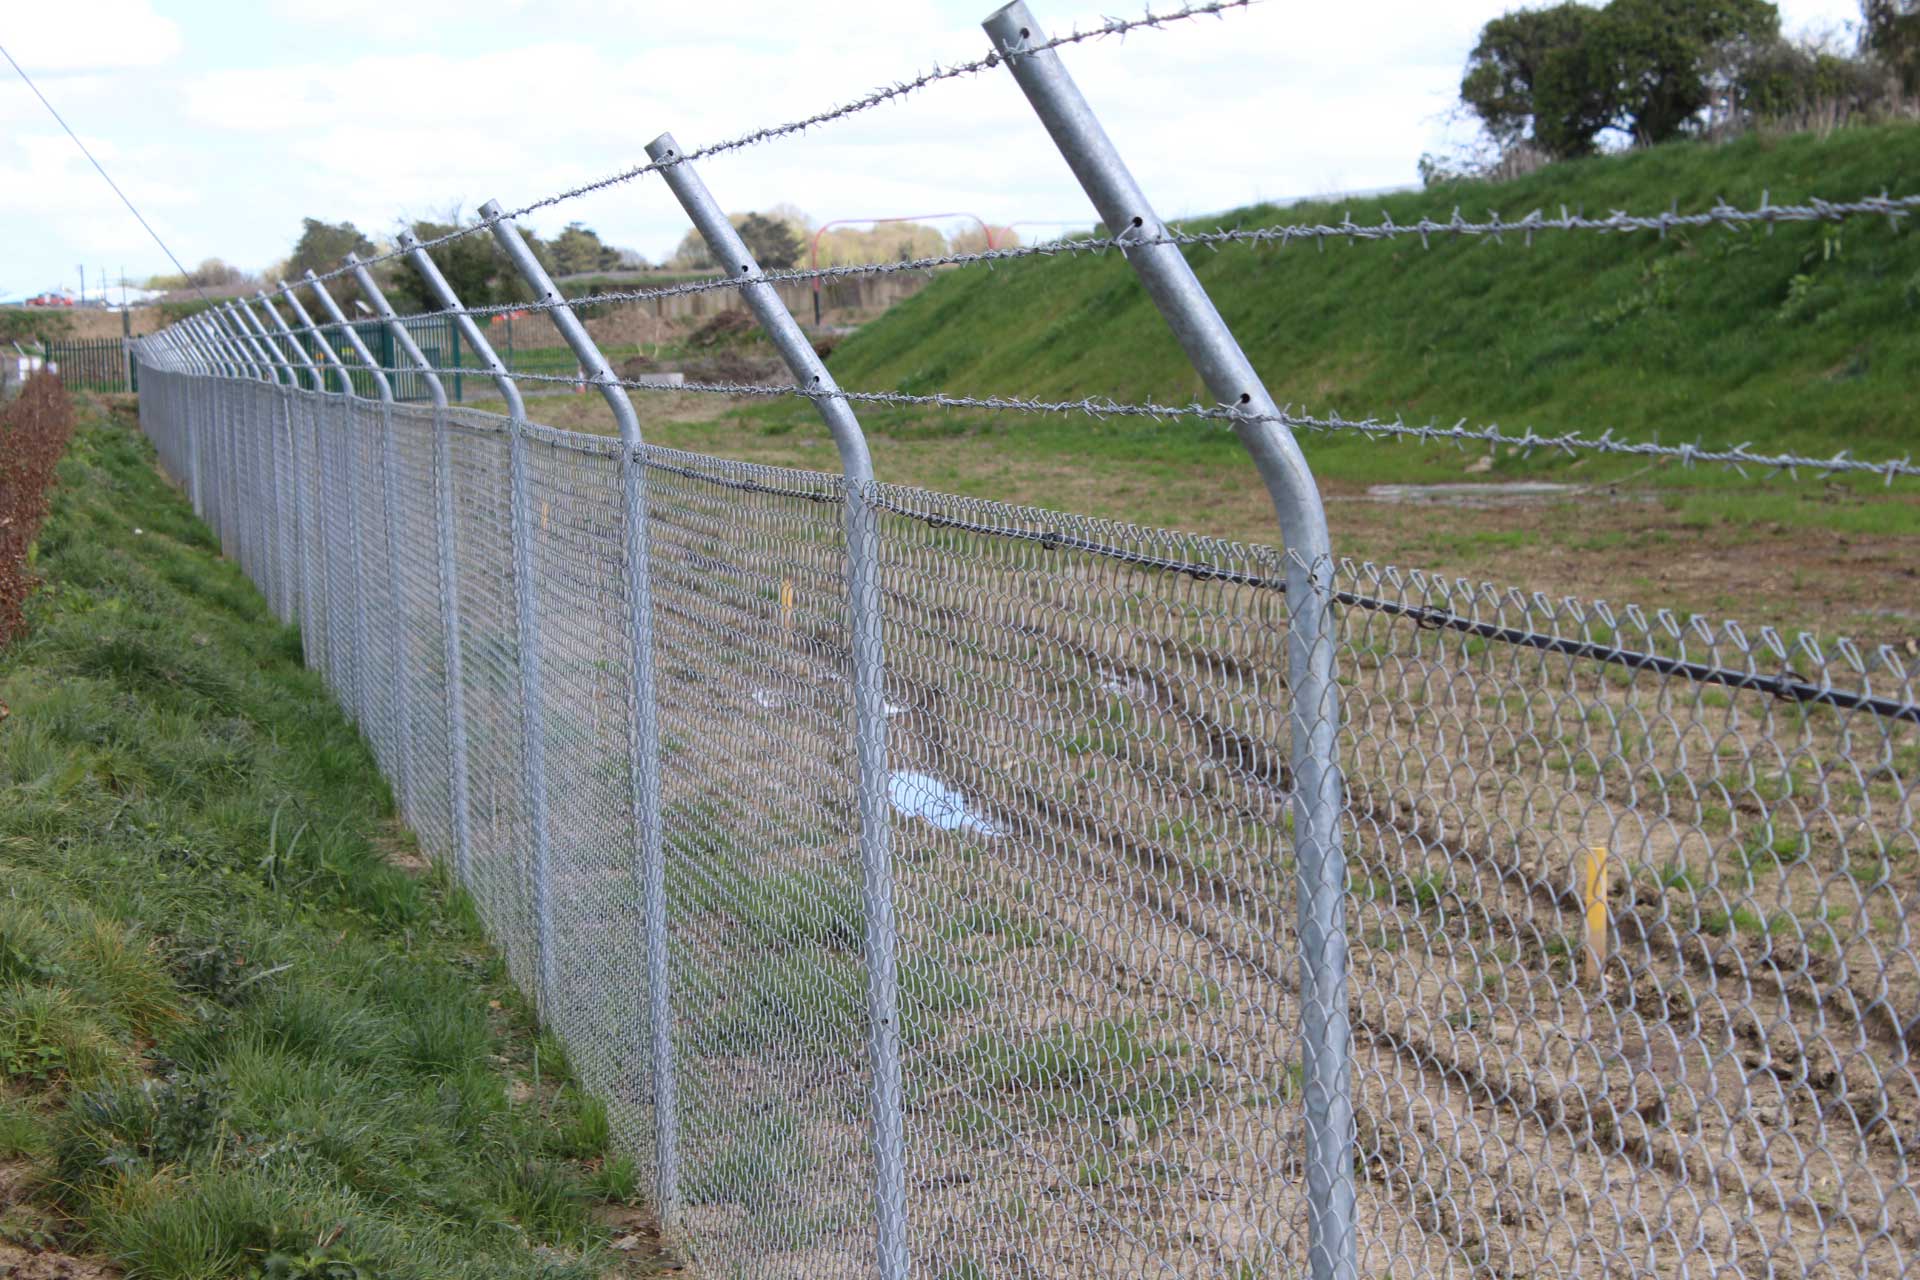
(878, 97)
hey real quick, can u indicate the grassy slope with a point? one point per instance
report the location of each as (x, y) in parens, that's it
(229, 1026)
(1702, 336)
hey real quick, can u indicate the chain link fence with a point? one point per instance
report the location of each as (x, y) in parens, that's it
(1633, 990)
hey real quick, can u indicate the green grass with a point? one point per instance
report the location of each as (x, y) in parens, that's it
(236, 1041)
(1109, 1075)
(1802, 339)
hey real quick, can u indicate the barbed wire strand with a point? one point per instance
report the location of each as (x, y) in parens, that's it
(890, 93)
(1619, 222)
(1527, 441)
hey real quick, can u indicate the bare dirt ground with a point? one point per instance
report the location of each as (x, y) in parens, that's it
(1101, 1071)
(1817, 564)
(1099, 991)
(29, 1237)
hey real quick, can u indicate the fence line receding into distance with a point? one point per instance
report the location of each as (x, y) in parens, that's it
(935, 887)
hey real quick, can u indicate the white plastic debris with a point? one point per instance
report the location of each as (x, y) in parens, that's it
(921, 795)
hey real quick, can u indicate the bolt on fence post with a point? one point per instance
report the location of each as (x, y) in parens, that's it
(526, 606)
(1318, 794)
(396, 638)
(642, 710)
(457, 784)
(362, 645)
(869, 694)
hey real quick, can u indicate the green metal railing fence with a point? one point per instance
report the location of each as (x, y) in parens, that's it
(92, 364)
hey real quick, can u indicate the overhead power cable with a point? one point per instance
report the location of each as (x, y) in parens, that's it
(147, 226)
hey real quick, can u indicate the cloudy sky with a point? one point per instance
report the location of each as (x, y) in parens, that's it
(227, 121)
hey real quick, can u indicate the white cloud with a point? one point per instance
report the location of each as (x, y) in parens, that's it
(100, 34)
(366, 110)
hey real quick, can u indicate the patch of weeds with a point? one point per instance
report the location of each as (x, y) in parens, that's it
(615, 1181)
(214, 968)
(1110, 1073)
(756, 1167)
(158, 1121)
(974, 919)
(930, 992)
(578, 1126)
(324, 1262)
(47, 1035)
(1096, 1172)
(28, 1227)
(797, 908)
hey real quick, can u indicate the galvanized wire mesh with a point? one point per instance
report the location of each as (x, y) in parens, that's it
(1634, 985)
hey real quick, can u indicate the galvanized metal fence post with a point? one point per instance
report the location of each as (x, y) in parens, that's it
(526, 607)
(219, 435)
(869, 695)
(397, 644)
(264, 522)
(643, 729)
(198, 430)
(300, 585)
(248, 361)
(356, 527)
(457, 780)
(340, 673)
(188, 358)
(1318, 793)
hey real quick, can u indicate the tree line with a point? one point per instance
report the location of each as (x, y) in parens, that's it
(1558, 80)
(479, 272)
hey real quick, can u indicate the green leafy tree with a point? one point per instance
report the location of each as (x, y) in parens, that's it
(691, 253)
(215, 273)
(1560, 77)
(1787, 79)
(322, 246)
(578, 249)
(1531, 78)
(771, 241)
(1890, 31)
(1660, 53)
(475, 266)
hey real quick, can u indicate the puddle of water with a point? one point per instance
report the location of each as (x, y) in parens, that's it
(921, 795)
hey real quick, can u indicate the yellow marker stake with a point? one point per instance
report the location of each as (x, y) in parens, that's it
(1594, 894)
(786, 603)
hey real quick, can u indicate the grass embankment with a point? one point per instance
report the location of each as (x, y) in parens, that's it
(1806, 339)
(242, 1031)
